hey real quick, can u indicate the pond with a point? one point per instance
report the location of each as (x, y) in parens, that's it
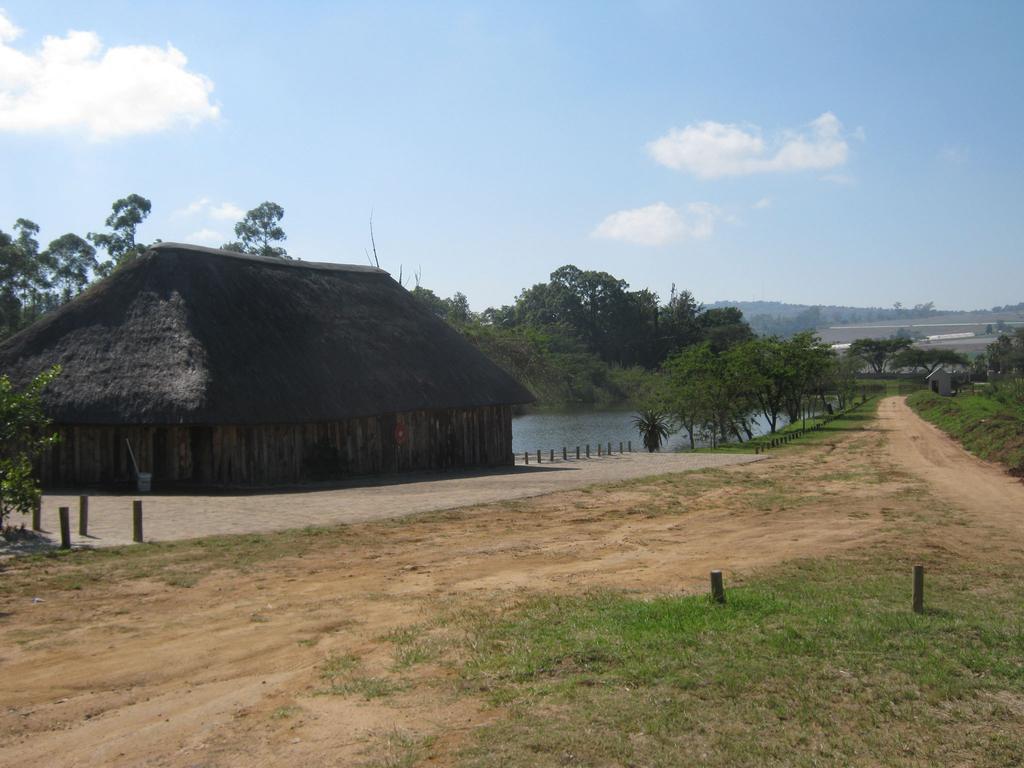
(553, 429)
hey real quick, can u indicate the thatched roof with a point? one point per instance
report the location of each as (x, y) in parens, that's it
(199, 336)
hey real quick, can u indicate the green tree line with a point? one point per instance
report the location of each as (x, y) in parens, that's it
(35, 280)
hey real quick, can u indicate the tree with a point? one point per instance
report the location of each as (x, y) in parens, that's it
(24, 435)
(723, 327)
(766, 370)
(654, 428)
(809, 362)
(72, 260)
(928, 360)
(685, 390)
(878, 353)
(258, 232)
(127, 213)
(24, 277)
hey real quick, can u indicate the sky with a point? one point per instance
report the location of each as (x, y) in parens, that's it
(816, 153)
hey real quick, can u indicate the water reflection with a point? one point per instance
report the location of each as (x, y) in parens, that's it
(555, 429)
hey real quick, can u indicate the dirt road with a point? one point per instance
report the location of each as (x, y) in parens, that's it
(955, 477)
(172, 518)
(131, 670)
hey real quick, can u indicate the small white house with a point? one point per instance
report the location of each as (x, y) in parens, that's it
(941, 382)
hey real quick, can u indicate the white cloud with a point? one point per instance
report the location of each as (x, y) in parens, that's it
(227, 211)
(73, 84)
(193, 208)
(206, 207)
(206, 236)
(764, 202)
(8, 31)
(711, 150)
(660, 224)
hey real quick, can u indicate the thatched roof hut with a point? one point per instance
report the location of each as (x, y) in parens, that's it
(306, 369)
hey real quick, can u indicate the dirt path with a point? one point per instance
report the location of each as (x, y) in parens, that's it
(172, 518)
(130, 670)
(956, 477)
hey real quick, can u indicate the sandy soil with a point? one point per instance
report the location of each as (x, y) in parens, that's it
(172, 518)
(226, 673)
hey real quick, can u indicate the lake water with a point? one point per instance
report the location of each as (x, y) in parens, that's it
(554, 429)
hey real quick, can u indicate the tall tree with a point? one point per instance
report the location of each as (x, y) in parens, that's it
(928, 360)
(259, 232)
(126, 215)
(879, 353)
(72, 260)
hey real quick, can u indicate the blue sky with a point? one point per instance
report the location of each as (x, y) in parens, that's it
(807, 152)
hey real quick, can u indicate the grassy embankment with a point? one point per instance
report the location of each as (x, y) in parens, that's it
(812, 430)
(987, 427)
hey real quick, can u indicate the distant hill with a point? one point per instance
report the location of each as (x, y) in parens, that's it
(840, 323)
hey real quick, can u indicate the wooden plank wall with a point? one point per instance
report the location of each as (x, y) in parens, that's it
(281, 454)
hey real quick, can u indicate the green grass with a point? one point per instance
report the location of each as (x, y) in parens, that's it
(854, 418)
(822, 663)
(987, 427)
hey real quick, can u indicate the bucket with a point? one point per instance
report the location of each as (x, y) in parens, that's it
(145, 481)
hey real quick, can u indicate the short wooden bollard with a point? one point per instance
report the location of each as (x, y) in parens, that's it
(137, 521)
(588, 450)
(552, 457)
(620, 449)
(609, 449)
(65, 527)
(538, 455)
(717, 587)
(526, 457)
(598, 449)
(37, 515)
(565, 454)
(577, 451)
(83, 515)
(630, 446)
(918, 589)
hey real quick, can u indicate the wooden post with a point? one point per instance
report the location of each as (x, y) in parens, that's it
(717, 587)
(565, 454)
(598, 449)
(577, 451)
(609, 449)
(620, 448)
(551, 456)
(37, 515)
(538, 455)
(83, 515)
(526, 457)
(65, 527)
(630, 446)
(918, 589)
(588, 450)
(137, 521)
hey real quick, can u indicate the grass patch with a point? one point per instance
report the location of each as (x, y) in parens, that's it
(987, 427)
(412, 646)
(814, 430)
(345, 679)
(821, 663)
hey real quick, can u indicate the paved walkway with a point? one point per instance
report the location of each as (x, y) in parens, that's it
(186, 516)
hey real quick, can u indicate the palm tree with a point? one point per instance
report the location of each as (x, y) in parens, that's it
(654, 427)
